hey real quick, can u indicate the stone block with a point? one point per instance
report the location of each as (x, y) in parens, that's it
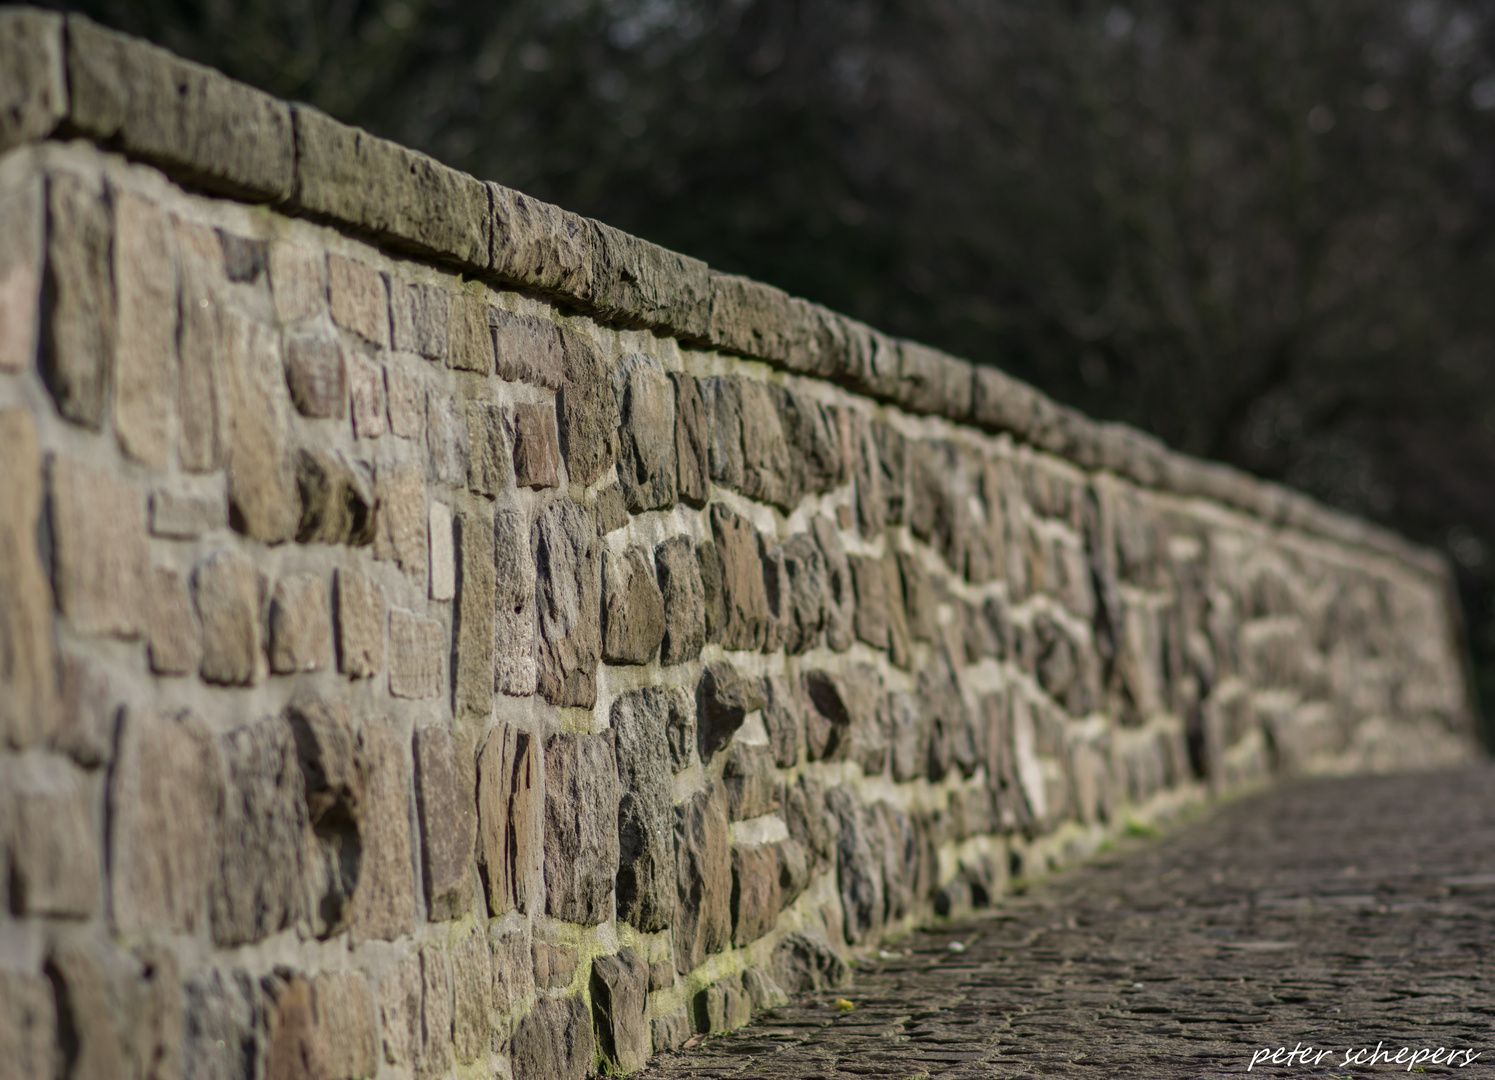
(921, 594)
(336, 772)
(528, 349)
(400, 1021)
(21, 240)
(358, 300)
(721, 1007)
(568, 593)
(415, 1005)
(204, 389)
(294, 1045)
(401, 523)
(669, 1031)
(581, 827)
(646, 867)
(513, 967)
(366, 390)
(610, 511)
(384, 900)
(804, 594)
(175, 645)
(260, 885)
(223, 1034)
(555, 966)
(755, 892)
(908, 734)
(187, 515)
(300, 625)
(782, 717)
(33, 89)
(642, 284)
(359, 609)
(515, 671)
(539, 245)
(165, 819)
(684, 599)
(490, 434)
(28, 1010)
(387, 190)
(442, 552)
(79, 328)
(840, 592)
(633, 613)
(620, 993)
(245, 258)
(806, 962)
(317, 373)
(100, 567)
(661, 975)
(28, 688)
(471, 339)
(337, 499)
(472, 995)
(554, 1041)
(703, 875)
(776, 589)
(692, 441)
(588, 411)
(448, 823)
(510, 808)
(829, 717)
(95, 1046)
(87, 711)
(537, 450)
(750, 781)
(768, 472)
(146, 334)
(808, 820)
(420, 319)
(298, 281)
(711, 584)
(347, 1021)
(818, 447)
(744, 598)
(859, 865)
(762, 990)
(447, 447)
(473, 618)
(794, 870)
(56, 854)
(228, 592)
(724, 698)
(261, 482)
(647, 462)
(417, 653)
(405, 389)
(871, 600)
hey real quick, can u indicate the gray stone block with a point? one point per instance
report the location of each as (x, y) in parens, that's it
(647, 462)
(87, 711)
(417, 655)
(300, 625)
(669, 1031)
(692, 441)
(22, 241)
(581, 827)
(840, 592)
(750, 781)
(28, 688)
(223, 1034)
(510, 821)
(554, 1041)
(204, 389)
(415, 1005)
(808, 820)
(528, 349)
(684, 598)
(99, 561)
(806, 962)
(642, 284)
(228, 592)
(703, 875)
(828, 718)
(405, 388)
(539, 245)
(420, 318)
(513, 968)
(633, 612)
(537, 449)
(744, 599)
(298, 281)
(472, 995)
(794, 870)
(515, 671)
(359, 610)
(401, 522)
(804, 594)
(317, 373)
(384, 900)
(471, 339)
(611, 511)
(28, 1011)
(588, 410)
(187, 515)
(723, 1006)
(568, 593)
(448, 823)
(145, 351)
(646, 869)
(762, 990)
(620, 992)
(358, 299)
(859, 865)
(490, 435)
(447, 444)
(721, 396)
(782, 716)
(473, 618)
(724, 698)
(262, 490)
(56, 854)
(755, 892)
(33, 89)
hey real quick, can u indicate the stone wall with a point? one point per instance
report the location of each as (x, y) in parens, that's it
(442, 635)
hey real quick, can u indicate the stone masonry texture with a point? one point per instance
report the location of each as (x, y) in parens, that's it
(443, 635)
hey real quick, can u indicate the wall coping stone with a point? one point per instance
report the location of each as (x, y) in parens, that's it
(67, 77)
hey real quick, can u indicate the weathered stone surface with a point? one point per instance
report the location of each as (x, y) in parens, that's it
(415, 1005)
(581, 827)
(642, 284)
(588, 410)
(806, 962)
(724, 698)
(443, 552)
(405, 393)
(554, 1041)
(420, 318)
(900, 648)
(804, 594)
(952, 731)
(87, 711)
(165, 814)
(227, 590)
(366, 391)
(610, 511)
(828, 719)
(471, 339)
(300, 625)
(298, 281)
(245, 258)
(908, 734)
(859, 869)
(633, 613)
(358, 299)
(722, 398)
(840, 594)
(711, 585)
(692, 441)
(537, 450)
(28, 691)
(782, 718)
(808, 820)
(568, 593)
(755, 892)
(400, 995)
(294, 1046)
(384, 900)
(99, 562)
(669, 1031)
(721, 1007)
(448, 823)
(145, 346)
(400, 524)
(762, 990)
(661, 975)
(34, 91)
(187, 515)
(817, 455)
(347, 1023)
(224, 1031)
(515, 671)
(28, 1010)
(490, 464)
(747, 616)
(204, 405)
(359, 606)
(317, 373)
(620, 992)
(921, 597)
(472, 986)
(529, 349)
(641, 722)
(510, 807)
(447, 446)
(56, 856)
(703, 873)
(417, 654)
(336, 775)
(262, 488)
(337, 499)
(684, 600)
(473, 617)
(767, 470)
(21, 240)
(174, 647)
(538, 244)
(259, 888)
(794, 870)
(776, 589)
(153, 1019)
(513, 967)
(555, 966)
(871, 600)
(79, 328)
(647, 463)
(750, 782)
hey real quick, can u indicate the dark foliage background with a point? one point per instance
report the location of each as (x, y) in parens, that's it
(1261, 229)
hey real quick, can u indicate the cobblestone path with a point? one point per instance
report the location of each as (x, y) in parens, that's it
(1336, 914)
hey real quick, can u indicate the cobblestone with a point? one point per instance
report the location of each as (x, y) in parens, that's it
(1338, 914)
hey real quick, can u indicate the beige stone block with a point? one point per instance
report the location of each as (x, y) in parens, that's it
(20, 277)
(32, 86)
(145, 347)
(405, 390)
(227, 588)
(28, 1023)
(474, 617)
(79, 343)
(537, 449)
(316, 373)
(448, 821)
(366, 387)
(203, 388)
(359, 301)
(384, 900)
(175, 637)
(360, 625)
(87, 710)
(298, 281)
(300, 625)
(95, 1047)
(27, 687)
(472, 994)
(56, 856)
(347, 1022)
(417, 647)
(510, 805)
(100, 566)
(400, 535)
(187, 515)
(261, 482)
(443, 553)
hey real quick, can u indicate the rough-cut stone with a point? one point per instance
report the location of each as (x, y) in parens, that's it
(358, 299)
(420, 318)
(337, 499)
(145, 345)
(776, 589)
(620, 992)
(804, 592)
(755, 892)
(347, 1023)
(510, 806)
(473, 617)
(840, 594)
(828, 719)
(204, 408)
(442, 552)
(446, 438)
(336, 771)
(99, 562)
(174, 636)
(360, 625)
(794, 870)
(722, 397)
(684, 600)
(554, 1041)
(317, 373)
(581, 827)
(298, 281)
(867, 741)
(633, 613)
(611, 512)
(400, 996)
(227, 590)
(781, 716)
(528, 348)
(471, 339)
(711, 585)
(244, 258)
(165, 811)
(86, 711)
(692, 441)
(568, 594)
(417, 653)
(33, 90)
(366, 392)
(817, 456)
(588, 410)
(539, 245)
(908, 737)
(95, 1047)
(384, 900)
(490, 465)
(646, 434)
(56, 857)
(513, 968)
(514, 668)
(294, 1047)
(262, 492)
(405, 393)
(224, 1033)
(447, 823)
(703, 873)
(722, 1006)
(20, 273)
(747, 615)
(400, 524)
(415, 1003)
(555, 966)
(669, 1031)
(767, 471)
(871, 600)
(537, 450)
(28, 691)
(300, 625)
(646, 866)
(921, 598)
(762, 990)
(806, 962)
(900, 648)
(750, 782)
(724, 698)
(661, 975)
(259, 887)
(79, 331)
(187, 515)
(859, 869)
(28, 1014)
(808, 820)
(472, 986)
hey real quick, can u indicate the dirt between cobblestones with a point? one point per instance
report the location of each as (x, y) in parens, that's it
(1333, 914)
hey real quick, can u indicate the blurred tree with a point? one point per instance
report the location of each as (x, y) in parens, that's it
(1260, 229)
